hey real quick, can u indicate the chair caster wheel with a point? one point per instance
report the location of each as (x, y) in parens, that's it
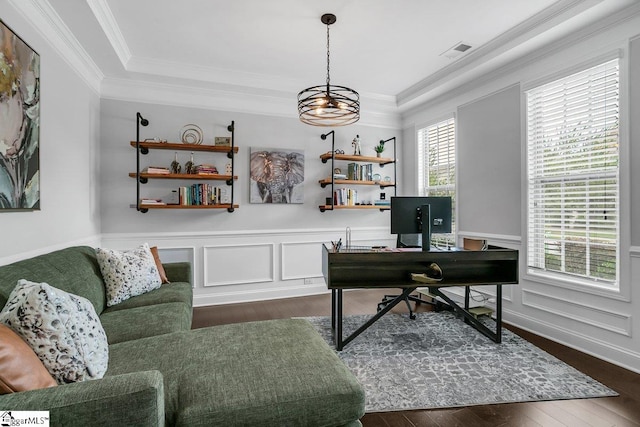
(412, 316)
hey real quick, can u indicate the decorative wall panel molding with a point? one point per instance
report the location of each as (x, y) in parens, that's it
(238, 264)
(299, 260)
(586, 314)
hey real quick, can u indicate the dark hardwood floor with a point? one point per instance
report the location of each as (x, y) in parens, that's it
(611, 411)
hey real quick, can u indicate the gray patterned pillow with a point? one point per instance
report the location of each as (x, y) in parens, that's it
(127, 274)
(62, 329)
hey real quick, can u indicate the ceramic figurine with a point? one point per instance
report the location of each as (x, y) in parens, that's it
(190, 167)
(356, 145)
(175, 166)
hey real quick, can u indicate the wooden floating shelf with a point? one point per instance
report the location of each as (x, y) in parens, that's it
(184, 147)
(220, 206)
(367, 159)
(334, 207)
(184, 176)
(327, 181)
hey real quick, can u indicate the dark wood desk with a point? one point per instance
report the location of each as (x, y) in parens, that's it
(371, 268)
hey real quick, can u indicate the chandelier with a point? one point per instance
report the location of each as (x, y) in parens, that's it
(328, 105)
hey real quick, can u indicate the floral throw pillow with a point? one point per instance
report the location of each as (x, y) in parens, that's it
(61, 328)
(127, 274)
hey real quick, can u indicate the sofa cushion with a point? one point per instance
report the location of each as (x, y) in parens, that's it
(127, 274)
(173, 292)
(141, 322)
(20, 368)
(269, 373)
(178, 271)
(74, 270)
(61, 328)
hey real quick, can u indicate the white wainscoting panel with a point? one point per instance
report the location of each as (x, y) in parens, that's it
(583, 313)
(298, 260)
(238, 264)
(180, 254)
(231, 266)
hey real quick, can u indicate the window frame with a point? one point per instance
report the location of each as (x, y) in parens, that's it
(622, 290)
(421, 171)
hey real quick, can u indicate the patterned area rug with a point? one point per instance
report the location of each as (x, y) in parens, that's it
(437, 361)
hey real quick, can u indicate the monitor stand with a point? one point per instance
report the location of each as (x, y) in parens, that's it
(424, 220)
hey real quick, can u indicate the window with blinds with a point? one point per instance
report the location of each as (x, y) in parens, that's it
(437, 165)
(572, 173)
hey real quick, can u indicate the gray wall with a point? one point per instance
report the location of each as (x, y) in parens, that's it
(69, 125)
(599, 320)
(489, 171)
(634, 139)
(118, 159)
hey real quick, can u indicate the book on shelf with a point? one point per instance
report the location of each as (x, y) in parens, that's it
(200, 195)
(206, 170)
(382, 202)
(358, 172)
(345, 197)
(158, 170)
(152, 202)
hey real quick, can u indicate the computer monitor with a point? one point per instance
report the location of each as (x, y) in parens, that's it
(421, 215)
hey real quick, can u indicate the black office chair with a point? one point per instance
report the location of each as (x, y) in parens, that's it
(407, 241)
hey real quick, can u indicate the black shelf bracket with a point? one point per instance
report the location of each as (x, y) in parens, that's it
(231, 128)
(395, 163)
(333, 158)
(140, 121)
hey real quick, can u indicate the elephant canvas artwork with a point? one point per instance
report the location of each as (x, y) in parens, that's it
(19, 123)
(277, 176)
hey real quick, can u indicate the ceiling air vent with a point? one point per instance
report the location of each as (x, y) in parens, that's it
(456, 50)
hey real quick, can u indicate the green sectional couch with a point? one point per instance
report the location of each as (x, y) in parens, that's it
(270, 373)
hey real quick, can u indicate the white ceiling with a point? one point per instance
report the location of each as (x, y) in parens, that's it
(389, 51)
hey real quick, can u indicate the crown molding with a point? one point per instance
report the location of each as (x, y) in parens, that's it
(196, 72)
(375, 112)
(546, 19)
(611, 22)
(46, 21)
(108, 23)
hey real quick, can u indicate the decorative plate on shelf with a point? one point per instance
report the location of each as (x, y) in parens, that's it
(376, 177)
(191, 134)
(387, 179)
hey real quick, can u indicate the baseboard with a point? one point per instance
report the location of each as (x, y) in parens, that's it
(260, 295)
(586, 344)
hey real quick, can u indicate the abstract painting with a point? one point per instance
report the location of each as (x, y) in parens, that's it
(277, 175)
(19, 123)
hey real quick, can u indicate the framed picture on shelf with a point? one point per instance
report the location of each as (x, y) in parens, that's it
(19, 123)
(277, 176)
(222, 141)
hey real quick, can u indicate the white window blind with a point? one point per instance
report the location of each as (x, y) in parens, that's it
(437, 165)
(437, 162)
(572, 172)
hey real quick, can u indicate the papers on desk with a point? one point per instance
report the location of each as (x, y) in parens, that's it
(433, 249)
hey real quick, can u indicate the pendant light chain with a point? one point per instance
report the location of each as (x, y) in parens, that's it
(327, 105)
(328, 60)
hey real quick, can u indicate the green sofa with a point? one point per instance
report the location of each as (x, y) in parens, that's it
(270, 373)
